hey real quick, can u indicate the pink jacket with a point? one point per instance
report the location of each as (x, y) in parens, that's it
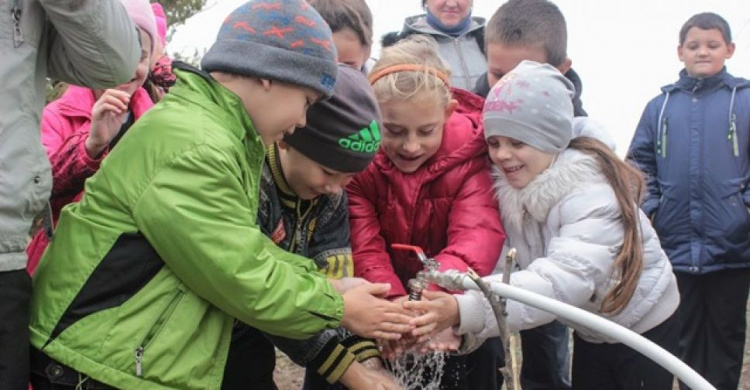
(446, 207)
(65, 126)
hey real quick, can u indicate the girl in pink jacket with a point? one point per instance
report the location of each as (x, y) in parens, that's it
(428, 186)
(83, 125)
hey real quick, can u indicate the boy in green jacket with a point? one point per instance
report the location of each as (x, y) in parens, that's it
(145, 276)
(303, 209)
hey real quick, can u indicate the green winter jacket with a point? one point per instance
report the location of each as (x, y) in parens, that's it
(144, 276)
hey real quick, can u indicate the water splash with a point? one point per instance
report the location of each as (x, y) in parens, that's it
(416, 371)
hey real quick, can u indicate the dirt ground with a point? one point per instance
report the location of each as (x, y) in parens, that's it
(289, 376)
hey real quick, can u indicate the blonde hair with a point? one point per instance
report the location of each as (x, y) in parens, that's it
(402, 85)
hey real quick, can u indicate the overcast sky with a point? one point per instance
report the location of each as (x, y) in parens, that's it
(624, 50)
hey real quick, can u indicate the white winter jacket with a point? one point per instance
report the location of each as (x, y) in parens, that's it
(566, 227)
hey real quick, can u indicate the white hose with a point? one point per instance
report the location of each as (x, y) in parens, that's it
(454, 280)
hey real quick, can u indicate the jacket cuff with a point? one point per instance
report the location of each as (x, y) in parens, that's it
(362, 349)
(88, 162)
(471, 312)
(332, 361)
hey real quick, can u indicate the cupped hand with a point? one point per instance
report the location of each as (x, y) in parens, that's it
(369, 315)
(438, 311)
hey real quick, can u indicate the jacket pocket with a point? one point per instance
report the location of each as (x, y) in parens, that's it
(153, 331)
(732, 219)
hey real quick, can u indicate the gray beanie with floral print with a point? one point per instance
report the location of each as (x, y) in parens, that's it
(531, 104)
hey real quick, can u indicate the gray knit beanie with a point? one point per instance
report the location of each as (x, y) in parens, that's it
(532, 104)
(284, 40)
(343, 132)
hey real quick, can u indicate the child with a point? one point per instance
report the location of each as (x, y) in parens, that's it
(351, 24)
(692, 142)
(83, 125)
(303, 209)
(527, 30)
(429, 185)
(569, 208)
(536, 30)
(145, 277)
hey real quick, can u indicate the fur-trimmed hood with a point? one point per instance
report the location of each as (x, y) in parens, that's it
(570, 171)
(567, 228)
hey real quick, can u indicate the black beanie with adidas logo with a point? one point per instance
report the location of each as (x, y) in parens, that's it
(343, 132)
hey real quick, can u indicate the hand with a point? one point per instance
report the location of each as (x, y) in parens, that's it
(371, 317)
(347, 283)
(446, 340)
(357, 377)
(106, 119)
(439, 311)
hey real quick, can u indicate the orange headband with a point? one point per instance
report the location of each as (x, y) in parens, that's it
(408, 67)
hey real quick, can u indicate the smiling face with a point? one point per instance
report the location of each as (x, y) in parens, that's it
(413, 129)
(704, 52)
(141, 71)
(307, 178)
(449, 12)
(519, 162)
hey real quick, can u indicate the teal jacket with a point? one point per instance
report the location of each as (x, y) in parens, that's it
(144, 277)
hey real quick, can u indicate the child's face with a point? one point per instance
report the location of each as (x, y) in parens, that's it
(519, 162)
(279, 109)
(141, 71)
(502, 58)
(307, 178)
(449, 12)
(350, 49)
(413, 129)
(704, 52)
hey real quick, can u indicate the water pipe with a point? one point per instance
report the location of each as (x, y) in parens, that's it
(454, 280)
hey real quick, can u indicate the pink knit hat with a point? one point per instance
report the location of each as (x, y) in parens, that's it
(161, 22)
(143, 16)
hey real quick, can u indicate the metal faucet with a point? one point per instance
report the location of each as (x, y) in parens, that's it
(416, 285)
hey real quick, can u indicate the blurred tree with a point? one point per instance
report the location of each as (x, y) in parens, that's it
(178, 11)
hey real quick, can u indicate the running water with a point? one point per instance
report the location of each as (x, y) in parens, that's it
(415, 371)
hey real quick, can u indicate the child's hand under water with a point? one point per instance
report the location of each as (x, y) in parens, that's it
(438, 311)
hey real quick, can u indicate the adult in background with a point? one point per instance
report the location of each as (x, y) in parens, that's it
(460, 37)
(85, 42)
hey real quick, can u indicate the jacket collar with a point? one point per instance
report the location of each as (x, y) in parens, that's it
(202, 89)
(418, 24)
(694, 84)
(287, 196)
(78, 102)
(571, 170)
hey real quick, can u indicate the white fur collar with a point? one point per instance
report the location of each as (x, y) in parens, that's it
(570, 171)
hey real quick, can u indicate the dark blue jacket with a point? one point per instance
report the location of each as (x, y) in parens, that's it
(693, 144)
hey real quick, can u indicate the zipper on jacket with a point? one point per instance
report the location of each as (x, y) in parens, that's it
(158, 324)
(15, 14)
(697, 86)
(733, 135)
(663, 139)
(467, 76)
